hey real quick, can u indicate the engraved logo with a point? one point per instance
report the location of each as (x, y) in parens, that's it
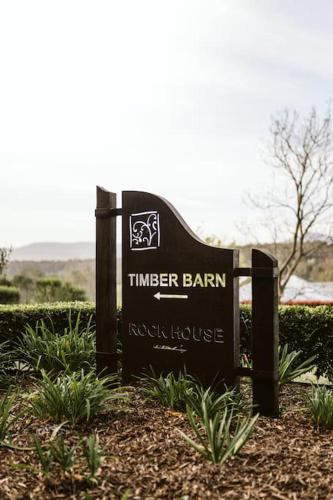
(145, 231)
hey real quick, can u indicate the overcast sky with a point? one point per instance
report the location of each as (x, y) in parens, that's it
(172, 97)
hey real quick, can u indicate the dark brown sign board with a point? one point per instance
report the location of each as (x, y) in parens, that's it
(179, 295)
(180, 299)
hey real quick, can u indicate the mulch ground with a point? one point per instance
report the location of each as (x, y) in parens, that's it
(145, 457)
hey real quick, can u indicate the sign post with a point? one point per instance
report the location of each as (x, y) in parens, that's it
(179, 296)
(106, 284)
(180, 300)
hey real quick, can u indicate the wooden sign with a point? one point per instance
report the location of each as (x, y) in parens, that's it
(179, 295)
(180, 305)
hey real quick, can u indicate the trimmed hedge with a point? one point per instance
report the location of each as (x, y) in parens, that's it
(305, 328)
(14, 318)
(309, 329)
(9, 294)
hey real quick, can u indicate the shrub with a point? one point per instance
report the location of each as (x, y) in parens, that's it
(93, 456)
(14, 318)
(171, 390)
(218, 437)
(43, 348)
(54, 289)
(320, 404)
(303, 328)
(208, 401)
(289, 369)
(6, 420)
(74, 397)
(9, 295)
(63, 454)
(7, 366)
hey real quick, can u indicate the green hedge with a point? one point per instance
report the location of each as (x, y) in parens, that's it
(9, 295)
(305, 328)
(14, 318)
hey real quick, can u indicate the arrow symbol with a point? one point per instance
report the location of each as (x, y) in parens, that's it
(160, 296)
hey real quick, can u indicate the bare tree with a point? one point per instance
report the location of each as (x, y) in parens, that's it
(4, 259)
(300, 152)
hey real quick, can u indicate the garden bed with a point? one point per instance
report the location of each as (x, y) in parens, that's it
(145, 457)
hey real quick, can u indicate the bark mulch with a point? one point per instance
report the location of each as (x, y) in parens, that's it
(145, 458)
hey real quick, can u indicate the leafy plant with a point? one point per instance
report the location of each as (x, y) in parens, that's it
(289, 369)
(74, 397)
(7, 365)
(52, 289)
(6, 420)
(42, 348)
(218, 437)
(320, 404)
(203, 400)
(63, 454)
(93, 456)
(9, 294)
(45, 456)
(172, 391)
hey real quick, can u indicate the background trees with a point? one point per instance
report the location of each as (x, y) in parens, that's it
(298, 208)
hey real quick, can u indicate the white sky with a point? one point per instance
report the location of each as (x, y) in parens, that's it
(169, 97)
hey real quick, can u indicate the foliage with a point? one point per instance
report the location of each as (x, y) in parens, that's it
(75, 397)
(220, 436)
(26, 285)
(7, 366)
(72, 349)
(303, 328)
(288, 367)
(171, 390)
(6, 420)
(63, 454)
(14, 318)
(203, 400)
(4, 259)
(93, 456)
(45, 456)
(298, 208)
(9, 295)
(54, 289)
(320, 404)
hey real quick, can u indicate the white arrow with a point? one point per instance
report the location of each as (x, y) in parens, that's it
(160, 296)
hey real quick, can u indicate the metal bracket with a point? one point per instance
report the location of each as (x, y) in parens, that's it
(257, 272)
(105, 213)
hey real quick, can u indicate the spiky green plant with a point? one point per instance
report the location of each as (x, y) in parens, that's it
(45, 456)
(74, 397)
(63, 454)
(42, 348)
(171, 390)
(289, 368)
(207, 400)
(218, 437)
(6, 418)
(320, 404)
(7, 366)
(93, 455)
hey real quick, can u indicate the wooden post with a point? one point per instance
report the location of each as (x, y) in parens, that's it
(265, 330)
(106, 283)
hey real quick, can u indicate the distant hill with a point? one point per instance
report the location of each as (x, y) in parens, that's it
(54, 251)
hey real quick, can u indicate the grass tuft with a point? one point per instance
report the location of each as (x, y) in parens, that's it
(75, 397)
(320, 404)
